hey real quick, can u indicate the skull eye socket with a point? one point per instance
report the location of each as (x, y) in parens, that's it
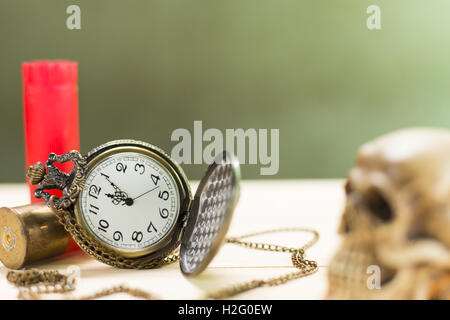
(378, 206)
(348, 187)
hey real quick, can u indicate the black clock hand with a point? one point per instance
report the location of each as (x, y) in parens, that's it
(112, 183)
(130, 201)
(146, 192)
(118, 195)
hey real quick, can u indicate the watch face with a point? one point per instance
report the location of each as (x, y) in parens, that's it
(131, 201)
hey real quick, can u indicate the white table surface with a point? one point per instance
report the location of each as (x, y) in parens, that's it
(263, 205)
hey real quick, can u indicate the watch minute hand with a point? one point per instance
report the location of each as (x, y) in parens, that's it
(114, 186)
(111, 183)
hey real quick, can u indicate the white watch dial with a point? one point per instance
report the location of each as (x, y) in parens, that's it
(130, 201)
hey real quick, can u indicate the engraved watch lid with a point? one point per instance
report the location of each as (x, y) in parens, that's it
(211, 213)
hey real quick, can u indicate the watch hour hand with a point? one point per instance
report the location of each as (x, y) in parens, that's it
(117, 197)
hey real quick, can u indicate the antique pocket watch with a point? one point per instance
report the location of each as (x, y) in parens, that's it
(128, 204)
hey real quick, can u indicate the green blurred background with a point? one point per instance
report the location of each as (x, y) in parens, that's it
(310, 68)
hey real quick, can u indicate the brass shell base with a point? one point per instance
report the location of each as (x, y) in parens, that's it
(30, 233)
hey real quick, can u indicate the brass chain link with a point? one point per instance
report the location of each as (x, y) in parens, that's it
(305, 267)
(33, 283)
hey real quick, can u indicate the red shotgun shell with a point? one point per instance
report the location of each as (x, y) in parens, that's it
(50, 102)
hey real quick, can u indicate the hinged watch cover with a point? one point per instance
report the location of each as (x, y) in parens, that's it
(210, 216)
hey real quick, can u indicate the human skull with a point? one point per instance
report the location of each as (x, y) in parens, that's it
(396, 222)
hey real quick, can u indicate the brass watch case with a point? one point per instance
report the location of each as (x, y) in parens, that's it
(172, 238)
(201, 224)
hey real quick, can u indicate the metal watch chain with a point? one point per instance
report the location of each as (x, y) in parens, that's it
(33, 283)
